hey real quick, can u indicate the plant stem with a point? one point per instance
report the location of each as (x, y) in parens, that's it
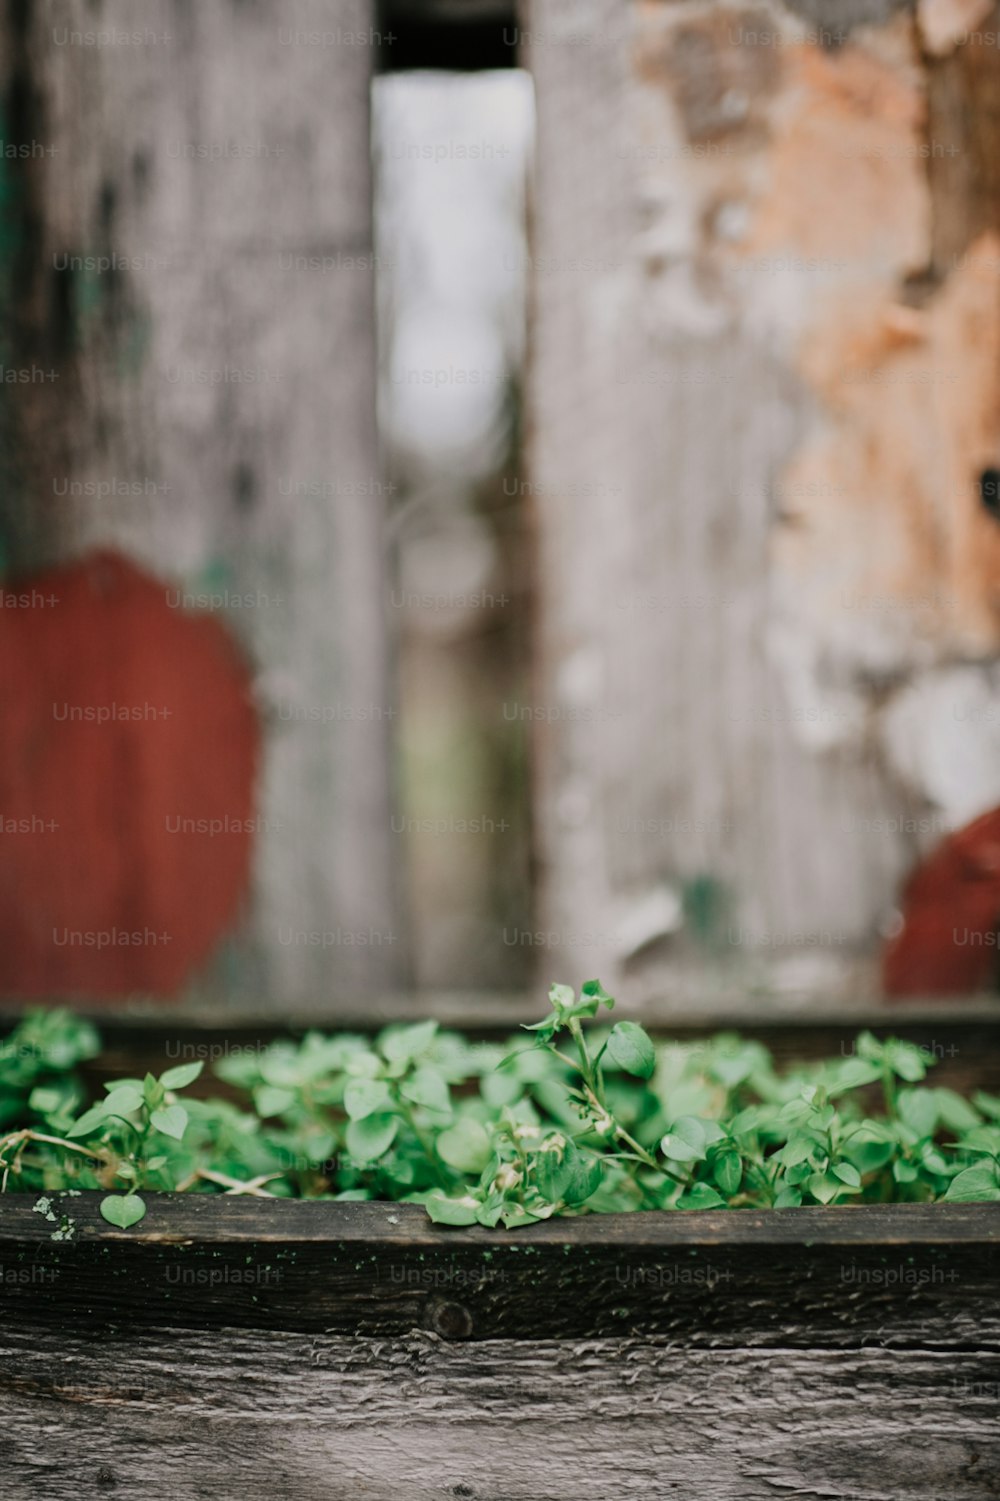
(233, 1186)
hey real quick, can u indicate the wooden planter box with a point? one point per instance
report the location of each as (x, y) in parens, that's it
(231, 1347)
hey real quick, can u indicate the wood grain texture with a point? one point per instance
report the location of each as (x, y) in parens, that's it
(964, 116)
(970, 1023)
(736, 376)
(366, 1352)
(920, 1275)
(192, 1415)
(226, 359)
(672, 753)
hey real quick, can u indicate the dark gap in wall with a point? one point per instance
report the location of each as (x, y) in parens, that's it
(989, 491)
(435, 34)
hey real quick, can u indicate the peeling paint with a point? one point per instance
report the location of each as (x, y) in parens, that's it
(886, 558)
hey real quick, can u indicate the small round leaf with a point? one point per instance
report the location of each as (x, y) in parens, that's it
(123, 1210)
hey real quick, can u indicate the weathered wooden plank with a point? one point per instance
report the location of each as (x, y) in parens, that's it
(221, 355)
(964, 117)
(476, 1010)
(965, 1055)
(961, 1041)
(754, 368)
(919, 1275)
(193, 1415)
(212, 1218)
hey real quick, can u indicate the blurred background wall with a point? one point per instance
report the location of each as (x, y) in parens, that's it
(499, 494)
(769, 627)
(188, 252)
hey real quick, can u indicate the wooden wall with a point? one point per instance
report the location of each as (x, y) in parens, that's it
(218, 156)
(765, 386)
(764, 414)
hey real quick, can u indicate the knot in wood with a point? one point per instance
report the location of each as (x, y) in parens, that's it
(449, 1320)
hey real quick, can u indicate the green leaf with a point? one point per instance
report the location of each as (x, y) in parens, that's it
(426, 1087)
(592, 991)
(89, 1121)
(867, 1045)
(273, 1099)
(371, 1137)
(932, 1160)
(45, 1100)
(514, 1215)
(869, 1156)
(847, 1173)
(546, 1030)
(728, 1172)
(567, 1175)
(825, 1187)
(282, 1066)
(800, 1173)
(989, 1104)
(974, 1185)
(366, 1096)
(445, 1211)
(123, 1210)
(731, 1066)
(364, 1065)
(685, 1141)
(171, 1120)
(918, 1109)
(501, 1088)
(632, 1049)
(853, 1073)
(490, 1211)
(701, 1196)
(904, 1172)
(982, 1139)
(125, 1100)
(465, 1146)
(798, 1148)
(788, 1198)
(153, 1092)
(181, 1076)
(403, 1044)
(957, 1114)
(905, 1060)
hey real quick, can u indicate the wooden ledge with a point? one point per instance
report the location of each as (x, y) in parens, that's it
(905, 1274)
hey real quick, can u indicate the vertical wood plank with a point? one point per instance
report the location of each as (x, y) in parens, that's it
(759, 411)
(219, 157)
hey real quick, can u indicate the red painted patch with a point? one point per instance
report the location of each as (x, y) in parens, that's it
(121, 716)
(951, 910)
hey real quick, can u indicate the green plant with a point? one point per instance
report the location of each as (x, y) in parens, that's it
(583, 1117)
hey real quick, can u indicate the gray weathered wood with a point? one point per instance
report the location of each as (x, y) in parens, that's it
(258, 1415)
(475, 1010)
(317, 1350)
(915, 1273)
(230, 166)
(747, 672)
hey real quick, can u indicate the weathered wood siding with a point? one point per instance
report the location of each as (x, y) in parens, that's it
(224, 363)
(766, 382)
(339, 1350)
